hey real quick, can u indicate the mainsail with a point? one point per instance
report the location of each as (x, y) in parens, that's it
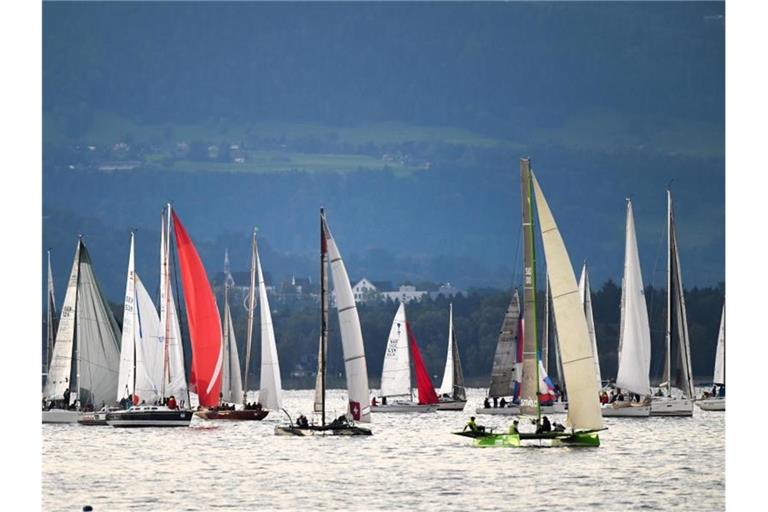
(635, 335)
(504, 374)
(427, 393)
(396, 371)
(203, 320)
(351, 335)
(573, 335)
(453, 377)
(271, 388)
(529, 400)
(719, 373)
(231, 382)
(586, 301)
(50, 320)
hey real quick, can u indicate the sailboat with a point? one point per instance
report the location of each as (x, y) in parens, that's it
(84, 363)
(584, 418)
(172, 405)
(635, 333)
(352, 346)
(396, 390)
(716, 402)
(675, 398)
(453, 396)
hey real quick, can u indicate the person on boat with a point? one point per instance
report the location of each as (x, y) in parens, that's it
(659, 392)
(171, 404)
(473, 427)
(537, 422)
(513, 428)
(546, 426)
(383, 400)
(545, 399)
(373, 402)
(502, 402)
(67, 392)
(612, 397)
(495, 402)
(558, 427)
(721, 391)
(339, 422)
(620, 396)
(302, 421)
(486, 403)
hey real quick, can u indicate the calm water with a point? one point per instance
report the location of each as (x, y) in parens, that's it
(411, 461)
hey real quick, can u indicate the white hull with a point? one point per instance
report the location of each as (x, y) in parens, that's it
(452, 405)
(556, 408)
(499, 411)
(404, 407)
(663, 406)
(712, 404)
(634, 411)
(60, 416)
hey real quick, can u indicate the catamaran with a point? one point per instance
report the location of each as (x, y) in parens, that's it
(396, 390)
(676, 398)
(453, 396)
(352, 346)
(577, 358)
(84, 362)
(171, 407)
(716, 402)
(635, 333)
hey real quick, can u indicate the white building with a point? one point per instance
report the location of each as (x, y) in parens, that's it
(405, 294)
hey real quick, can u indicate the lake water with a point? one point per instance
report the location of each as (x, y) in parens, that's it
(411, 461)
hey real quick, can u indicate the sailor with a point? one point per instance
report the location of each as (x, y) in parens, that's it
(302, 421)
(171, 402)
(66, 397)
(373, 402)
(721, 391)
(513, 428)
(495, 402)
(558, 427)
(546, 426)
(486, 403)
(383, 400)
(714, 390)
(474, 427)
(502, 402)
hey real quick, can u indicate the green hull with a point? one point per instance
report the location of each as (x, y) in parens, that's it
(588, 440)
(507, 440)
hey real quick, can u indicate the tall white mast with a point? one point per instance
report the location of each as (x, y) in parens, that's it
(251, 306)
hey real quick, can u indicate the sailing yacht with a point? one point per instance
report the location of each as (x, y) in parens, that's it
(51, 319)
(635, 333)
(675, 398)
(453, 395)
(358, 409)
(396, 390)
(577, 358)
(84, 362)
(717, 401)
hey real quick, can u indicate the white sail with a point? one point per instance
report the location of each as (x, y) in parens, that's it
(719, 373)
(586, 302)
(635, 335)
(60, 369)
(396, 372)
(149, 346)
(128, 352)
(226, 343)
(447, 386)
(50, 321)
(351, 336)
(271, 387)
(506, 369)
(97, 340)
(174, 379)
(318, 404)
(573, 336)
(250, 307)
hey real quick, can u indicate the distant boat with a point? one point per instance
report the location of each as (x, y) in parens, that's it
(675, 398)
(351, 345)
(584, 418)
(635, 333)
(453, 395)
(717, 402)
(396, 390)
(84, 363)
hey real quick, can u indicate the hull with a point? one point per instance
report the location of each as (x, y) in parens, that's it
(149, 416)
(712, 404)
(634, 411)
(663, 406)
(242, 415)
(499, 411)
(405, 407)
(451, 405)
(543, 440)
(60, 416)
(93, 419)
(316, 430)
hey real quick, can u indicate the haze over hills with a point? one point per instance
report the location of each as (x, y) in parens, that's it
(406, 121)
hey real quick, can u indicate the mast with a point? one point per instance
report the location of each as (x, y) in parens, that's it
(165, 284)
(668, 361)
(323, 309)
(226, 382)
(76, 338)
(133, 286)
(530, 400)
(545, 334)
(251, 306)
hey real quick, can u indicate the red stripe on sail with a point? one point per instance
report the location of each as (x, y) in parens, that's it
(427, 393)
(202, 318)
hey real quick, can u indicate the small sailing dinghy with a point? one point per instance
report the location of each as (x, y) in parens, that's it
(634, 336)
(575, 347)
(453, 396)
(716, 402)
(85, 357)
(675, 398)
(352, 347)
(396, 390)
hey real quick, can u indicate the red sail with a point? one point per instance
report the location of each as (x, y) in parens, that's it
(203, 320)
(427, 393)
